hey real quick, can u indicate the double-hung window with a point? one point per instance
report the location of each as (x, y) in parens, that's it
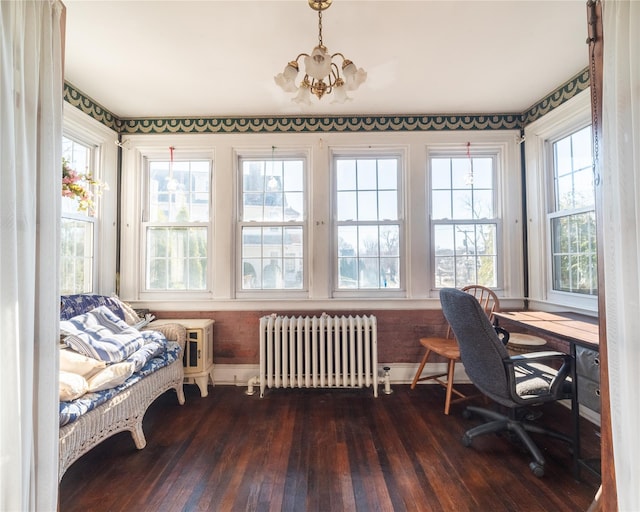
(572, 222)
(272, 224)
(78, 226)
(369, 227)
(176, 227)
(464, 220)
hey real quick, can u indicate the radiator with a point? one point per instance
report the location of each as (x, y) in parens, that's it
(317, 352)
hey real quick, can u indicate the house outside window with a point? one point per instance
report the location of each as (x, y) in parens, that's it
(177, 225)
(464, 221)
(78, 227)
(368, 225)
(272, 224)
(572, 221)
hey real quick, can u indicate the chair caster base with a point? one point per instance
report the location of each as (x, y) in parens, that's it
(537, 469)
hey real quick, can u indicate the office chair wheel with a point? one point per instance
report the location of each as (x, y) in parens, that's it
(466, 440)
(536, 469)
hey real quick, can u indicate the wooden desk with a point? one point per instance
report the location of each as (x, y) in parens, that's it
(582, 334)
(572, 327)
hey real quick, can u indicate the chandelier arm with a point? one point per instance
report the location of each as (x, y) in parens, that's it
(334, 75)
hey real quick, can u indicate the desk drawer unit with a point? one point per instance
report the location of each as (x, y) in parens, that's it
(588, 374)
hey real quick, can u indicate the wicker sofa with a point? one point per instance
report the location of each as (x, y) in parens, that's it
(125, 408)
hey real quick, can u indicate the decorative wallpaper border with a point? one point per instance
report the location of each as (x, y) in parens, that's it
(565, 92)
(76, 98)
(312, 124)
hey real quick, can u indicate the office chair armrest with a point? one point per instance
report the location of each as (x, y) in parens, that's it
(537, 357)
(545, 357)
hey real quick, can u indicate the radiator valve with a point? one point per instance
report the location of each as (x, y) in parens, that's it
(387, 381)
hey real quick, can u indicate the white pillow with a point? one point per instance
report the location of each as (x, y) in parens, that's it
(130, 315)
(72, 386)
(112, 376)
(74, 362)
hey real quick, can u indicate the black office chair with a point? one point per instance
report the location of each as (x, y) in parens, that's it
(515, 382)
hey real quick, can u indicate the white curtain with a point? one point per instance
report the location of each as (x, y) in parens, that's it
(620, 158)
(30, 178)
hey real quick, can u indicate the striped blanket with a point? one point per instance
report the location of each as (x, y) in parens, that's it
(101, 334)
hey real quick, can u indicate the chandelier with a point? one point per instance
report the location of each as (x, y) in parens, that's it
(321, 74)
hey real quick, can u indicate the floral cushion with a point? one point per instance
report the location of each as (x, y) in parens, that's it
(74, 305)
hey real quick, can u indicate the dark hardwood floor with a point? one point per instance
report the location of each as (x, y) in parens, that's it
(321, 450)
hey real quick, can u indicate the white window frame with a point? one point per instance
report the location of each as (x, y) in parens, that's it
(148, 224)
(477, 150)
(372, 152)
(91, 219)
(540, 136)
(135, 201)
(89, 132)
(320, 260)
(270, 154)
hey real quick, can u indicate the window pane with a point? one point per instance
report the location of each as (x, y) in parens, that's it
(367, 175)
(273, 190)
(573, 171)
(387, 174)
(346, 174)
(368, 240)
(573, 233)
(347, 257)
(76, 256)
(77, 262)
(583, 188)
(177, 258)
(464, 252)
(272, 258)
(347, 206)
(483, 204)
(462, 204)
(368, 250)
(574, 253)
(483, 173)
(441, 204)
(440, 173)
(461, 172)
(179, 191)
(368, 205)
(388, 205)
(368, 257)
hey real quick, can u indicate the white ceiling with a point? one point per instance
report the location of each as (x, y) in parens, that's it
(217, 58)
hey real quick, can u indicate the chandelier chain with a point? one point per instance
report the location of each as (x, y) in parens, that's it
(319, 28)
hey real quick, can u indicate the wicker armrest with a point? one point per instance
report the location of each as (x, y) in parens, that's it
(173, 332)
